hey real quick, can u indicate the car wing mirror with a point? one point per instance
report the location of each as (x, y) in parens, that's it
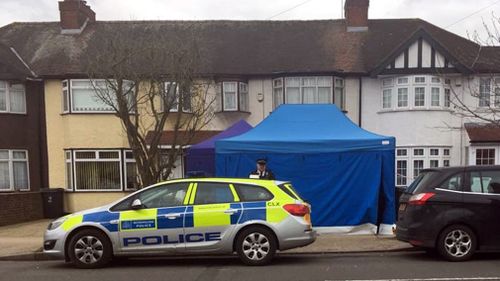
(136, 204)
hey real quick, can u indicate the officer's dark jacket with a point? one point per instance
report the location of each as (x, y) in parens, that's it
(266, 175)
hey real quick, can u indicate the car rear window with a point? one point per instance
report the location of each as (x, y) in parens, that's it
(421, 181)
(288, 189)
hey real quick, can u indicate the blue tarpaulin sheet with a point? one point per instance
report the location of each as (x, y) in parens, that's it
(344, 171)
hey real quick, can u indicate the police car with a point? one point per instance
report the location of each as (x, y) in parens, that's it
(253, 218)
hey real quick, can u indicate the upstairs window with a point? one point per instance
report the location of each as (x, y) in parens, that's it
(308, 90)
(234, 96)
(174, 97)
(489, 92)
(12, 98)
(90, 96)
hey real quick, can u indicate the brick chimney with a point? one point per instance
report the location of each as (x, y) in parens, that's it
(356, 15)
(75, 15)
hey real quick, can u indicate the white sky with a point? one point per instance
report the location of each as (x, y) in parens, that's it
(439, 12)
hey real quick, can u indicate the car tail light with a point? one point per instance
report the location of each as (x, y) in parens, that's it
(299, 210)
(421, 198)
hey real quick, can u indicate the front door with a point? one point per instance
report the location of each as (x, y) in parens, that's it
(211, 215)
(482, 205)
(158, 225)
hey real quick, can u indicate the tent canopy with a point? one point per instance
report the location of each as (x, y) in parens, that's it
(201, 156)
(344, 171)
(306, 129)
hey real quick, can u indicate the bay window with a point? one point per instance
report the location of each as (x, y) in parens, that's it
(410, 161)
(235, 96)
(14, 173)
(308, 90)
(100, 170)
(12, 98)
(424, 92)
(489, 92)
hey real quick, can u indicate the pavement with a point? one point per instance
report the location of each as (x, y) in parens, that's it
(24, 242)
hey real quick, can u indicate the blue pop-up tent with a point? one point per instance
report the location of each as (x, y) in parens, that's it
(344, 171)
(200, 158)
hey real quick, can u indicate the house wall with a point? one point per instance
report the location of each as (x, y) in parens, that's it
(20, 207)
(66, 131)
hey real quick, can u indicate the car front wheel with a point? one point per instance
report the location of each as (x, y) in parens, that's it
(89, 248)
(256, 246)
(457, 243)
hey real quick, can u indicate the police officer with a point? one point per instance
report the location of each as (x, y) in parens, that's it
(262, 172)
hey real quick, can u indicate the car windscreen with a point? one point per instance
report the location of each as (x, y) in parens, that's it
(421, 181)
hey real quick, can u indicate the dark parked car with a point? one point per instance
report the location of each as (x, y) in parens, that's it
(455, 211)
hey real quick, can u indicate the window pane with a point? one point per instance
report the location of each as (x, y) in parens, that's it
(109, 155)
(325, 81)
(447, 97)
(324, 95)
(402, 97)
(170, 195)
(402, 152)
(484, 91)
(418, 165)
(252, 193)
(436, 80)
(453, 183)
(87, 100)
(19, 154)
(278, 97)
(292, 95)
(230, 101)
(131, 170)
(475, 182)
(420, 79)
(98, 175)
(3, 99)
(434, 163)
(69, 175)
(85, 155)
(292, 82)
(17, 99)
(213, 193)
(387, 82)
(434, 151)
(4, 154)
(387, 98)
(309, 95)
(485, 156)
(339, 96)
(491, 181)
(309, 81)
(403, 80)
(4, 176)
(435, 96)
(419, 96)
(401, 171)
(20, 171)
(65, 100)
(418, 152)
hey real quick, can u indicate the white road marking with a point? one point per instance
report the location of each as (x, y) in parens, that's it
(427, 279)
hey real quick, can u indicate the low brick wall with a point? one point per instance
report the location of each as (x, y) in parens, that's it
(19, 207)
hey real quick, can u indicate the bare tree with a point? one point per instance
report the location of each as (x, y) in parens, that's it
(148, 77)
(479, 99)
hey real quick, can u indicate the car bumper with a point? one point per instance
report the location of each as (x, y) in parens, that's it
(53, 243)
(295, 234)
(415, 236)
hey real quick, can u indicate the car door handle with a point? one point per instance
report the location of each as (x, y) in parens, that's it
(113, 222)
(173, 216)
(230, 211)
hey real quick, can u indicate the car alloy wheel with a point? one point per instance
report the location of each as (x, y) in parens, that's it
(458, 243)
(256, 246)
(89, 249)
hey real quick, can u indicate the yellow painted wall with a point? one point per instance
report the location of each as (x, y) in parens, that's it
(77, 131)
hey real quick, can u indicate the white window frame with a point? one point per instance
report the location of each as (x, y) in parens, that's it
(243, 95)
(333, 84)
(426, 158)
(433, 96)
(68, 159)
(236, 93)
(125, 162)
(10, 160)
(91, 87)
(415, 97)
(278, 84)
(178, 105)
(389, 91)
(474, 149)
(485, 92)
(97, 159)
(7, 89)
(407, 97)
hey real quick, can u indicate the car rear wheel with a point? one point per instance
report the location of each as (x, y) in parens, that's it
(89, 248)
(256, 246)
(457, 243)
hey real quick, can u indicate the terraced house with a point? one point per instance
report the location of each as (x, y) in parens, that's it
(398, 77)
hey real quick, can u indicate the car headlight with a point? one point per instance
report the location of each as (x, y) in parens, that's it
(57, 223)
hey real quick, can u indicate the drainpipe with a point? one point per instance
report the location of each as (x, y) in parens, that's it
(360, 107)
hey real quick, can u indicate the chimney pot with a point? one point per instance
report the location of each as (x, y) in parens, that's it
(356, 15)
(75, 15)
